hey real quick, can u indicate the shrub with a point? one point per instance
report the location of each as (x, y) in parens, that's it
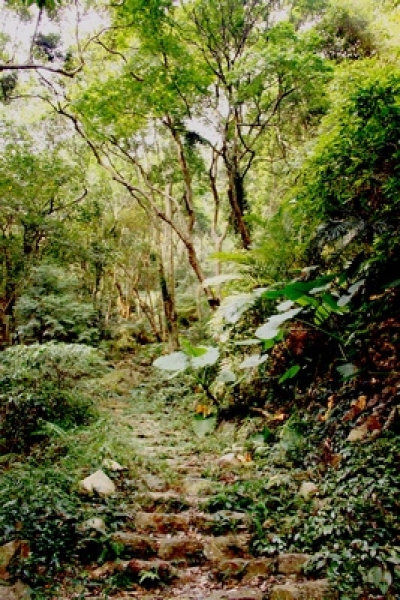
(51, 308)
(41, 384)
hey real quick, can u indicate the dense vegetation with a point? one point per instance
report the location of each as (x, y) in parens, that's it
(213, 186)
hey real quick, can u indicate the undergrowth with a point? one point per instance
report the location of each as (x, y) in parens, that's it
(350, 525)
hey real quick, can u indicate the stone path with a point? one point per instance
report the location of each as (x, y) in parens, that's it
(171, 547)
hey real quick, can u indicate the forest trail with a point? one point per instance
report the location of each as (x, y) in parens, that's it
(175, 542)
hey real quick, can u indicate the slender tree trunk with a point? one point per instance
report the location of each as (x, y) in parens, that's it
(148, 312)
(36, 31)
(237, 201)
(168, 299)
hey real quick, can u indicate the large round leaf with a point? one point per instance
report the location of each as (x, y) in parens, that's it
(177, 361)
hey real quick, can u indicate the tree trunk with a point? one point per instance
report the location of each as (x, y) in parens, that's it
(237, 203)
(171, 317)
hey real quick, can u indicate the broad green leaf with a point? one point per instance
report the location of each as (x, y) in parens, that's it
(272, 294)
(380, 578)
(208, 358)
(284, 306)
(249, 342)
(295, 290)
(253, 361)
(226, 377)
(270, 329)
(193, 350)
(332, 302)
(352, 291)
(203, 427)
(177, 361)
(322, 314)
(348, 370)
(307, 301)
(268, 344)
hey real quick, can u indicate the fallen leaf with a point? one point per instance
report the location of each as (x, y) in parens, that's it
(245, 458)
(279, 417)
(331, 402)
(335, 460)
(373, 423)
(203, 409)
(357, 407)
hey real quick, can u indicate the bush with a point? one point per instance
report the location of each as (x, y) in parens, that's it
(41, 384)
(51, 308)
(38, 507)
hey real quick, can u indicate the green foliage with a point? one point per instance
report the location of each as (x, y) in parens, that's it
(49, 5)
(52, 308)
(354, 530)
(8, 83)
(38, 506)
(41, 384)
(39, 502)
(346, 32)
(199, 361)
(194, 357)
(46, 46)
(350, 527)
(351, 184)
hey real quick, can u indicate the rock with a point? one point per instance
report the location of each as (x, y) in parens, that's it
(233, 568)
(244, 569)
(238, 448)
(228, 459)
(225, 547)
(278, 481)
(113, 465)
(98, 482)
(161, 522)
(290, 564)
(94, 523)
(194, 486)
(220, 522)
(358, 433)
(9, 551)
(308, 489)
(137, 546)
(306, 590)
(18, 591)
(186, 549)
(161, 569)
(260, 567)
(154, 483)
(109, 568)
(242, 594)
(171, 500)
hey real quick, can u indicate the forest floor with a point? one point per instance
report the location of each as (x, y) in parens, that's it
(220, 511)
(169, 543)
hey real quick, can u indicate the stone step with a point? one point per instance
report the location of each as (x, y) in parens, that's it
(245, 593)
(304, 590)
(183, 549)
(172, 501)
(241, 569)
(162, 571)
(217, 523)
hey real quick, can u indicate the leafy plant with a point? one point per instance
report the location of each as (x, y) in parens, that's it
(41, 384)
(198, 360)
(51, 308)
(39, 507)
